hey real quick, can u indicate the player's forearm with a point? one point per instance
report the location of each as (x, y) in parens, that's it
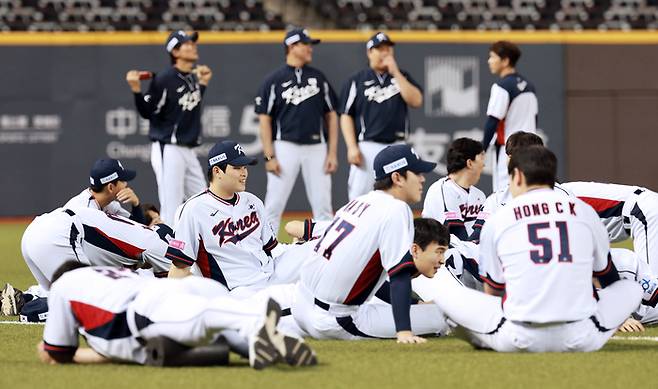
(409, 92)
(179, 272)
(400, 286)
(490, 127)
(332, 126)
(265, 125)
(87, 355)
(347, 128)
(493, 292)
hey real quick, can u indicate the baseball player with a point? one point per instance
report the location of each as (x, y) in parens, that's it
(172, 105)
(225, 234)
(108, 189)
(539, 252)
(625, 211)
(374, 111)
(295, 104)
(369, 240)
(92, 237)
(512, 106)
(118, 312)
(497, 199)
(454, 200)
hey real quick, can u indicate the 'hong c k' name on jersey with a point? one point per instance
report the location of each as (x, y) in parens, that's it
(374, 102)
(227, 242)
(514, 103)
(297, 100)
(369, 238)
(542, 249)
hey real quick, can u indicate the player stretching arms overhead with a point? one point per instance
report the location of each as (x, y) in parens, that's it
(369, 239)
(540, 252)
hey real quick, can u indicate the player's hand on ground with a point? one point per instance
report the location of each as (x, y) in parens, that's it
(354, 156)
(127, 195)
(132, 77)
(391, 65)
(407, 337)
(43, 354)
(204, 74)
(631, 325)
(273, 166)
(331, 164)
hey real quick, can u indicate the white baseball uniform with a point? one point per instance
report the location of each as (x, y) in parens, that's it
(541, 249)
(626, 211)
(454, 206)
(232, 243)
(91, 237)
(632, 268)
(117, 311)
(514, 103)
(86, 200)
(369, 238)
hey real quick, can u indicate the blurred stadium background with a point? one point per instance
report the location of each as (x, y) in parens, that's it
(64, 101)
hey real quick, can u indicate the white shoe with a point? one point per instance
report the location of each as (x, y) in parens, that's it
(11, 300)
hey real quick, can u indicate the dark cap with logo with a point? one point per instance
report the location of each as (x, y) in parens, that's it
(105, 171)
(397, 158)
(177, 38)
(379, 39)
(299, 35)
(229, 152)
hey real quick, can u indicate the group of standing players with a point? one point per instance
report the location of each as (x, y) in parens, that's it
(531, 246)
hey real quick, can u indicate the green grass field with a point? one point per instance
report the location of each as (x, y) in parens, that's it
(444, 362)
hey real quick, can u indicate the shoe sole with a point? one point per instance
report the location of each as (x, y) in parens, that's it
(298, 353)
(262, 351)
(9, 301)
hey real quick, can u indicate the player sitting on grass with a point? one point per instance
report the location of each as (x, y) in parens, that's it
(454, 200)
(539, 252)
(118, 312)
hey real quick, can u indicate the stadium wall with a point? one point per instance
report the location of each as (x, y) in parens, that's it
(66, 103)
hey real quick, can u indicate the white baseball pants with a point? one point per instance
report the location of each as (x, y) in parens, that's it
(483, 319)
(643, 217)
(310, 159)
(500, 177)
(178, 174)
(362, 178)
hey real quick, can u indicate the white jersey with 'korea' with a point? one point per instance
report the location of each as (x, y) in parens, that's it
(451, 204)
(542, 249)
(369, 237)
(86, 200)
(228, 242)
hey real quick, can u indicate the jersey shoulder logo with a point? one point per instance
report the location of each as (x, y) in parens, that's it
(229, 231)
(378, 94)
(522, 84)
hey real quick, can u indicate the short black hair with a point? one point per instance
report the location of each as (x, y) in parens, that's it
(506, 49)
(66, 267)
(537, 163)
(221, 166)
(520, 140)
(460, 151)
(387, 182)
(428, 230)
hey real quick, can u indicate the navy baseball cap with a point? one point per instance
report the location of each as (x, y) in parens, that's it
(229, 152)
(179, 37)
(299, 35)
(379, 39)
(399, 157)
(107, 170)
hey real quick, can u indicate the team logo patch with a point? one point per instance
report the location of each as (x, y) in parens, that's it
(395, 165)
(177, 244)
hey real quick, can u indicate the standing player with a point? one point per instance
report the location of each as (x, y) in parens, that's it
(374, 111)
(108, 189)
(173, 107)
(626, 211)
(454, 200)
(295, 104)
(369, 241)
(539, 252)
(225, 233)
(118, 312)
(512, 106)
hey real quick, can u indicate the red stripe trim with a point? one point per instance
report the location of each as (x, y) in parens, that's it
(270, 245)
(493, 283)
(399, 267)
(202, 260)
(50, 347)
(221, 200)
(130, 250)
(604, 271)
(500, 133)
(600, 205)
(90, 316)
(175, 257)
(369, 274)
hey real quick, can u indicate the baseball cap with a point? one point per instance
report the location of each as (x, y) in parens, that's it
(108, 170)
(178, 38)
(379, 39)
(399, 157)
(229, 152)
(299, 35)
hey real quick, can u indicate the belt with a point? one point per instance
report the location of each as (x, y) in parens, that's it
(321, 304)
(542, 325)
(73, 234)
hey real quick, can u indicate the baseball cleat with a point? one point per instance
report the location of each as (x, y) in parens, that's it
(297, 352)
(11, 300)
(262, 350)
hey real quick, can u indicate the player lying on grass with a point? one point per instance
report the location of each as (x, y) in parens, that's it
(118, 312)
(539, 252)
(369, 240)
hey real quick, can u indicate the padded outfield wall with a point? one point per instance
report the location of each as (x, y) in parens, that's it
(64, 101)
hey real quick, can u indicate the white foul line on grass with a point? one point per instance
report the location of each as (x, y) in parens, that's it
(640, 338)
(20, 322)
